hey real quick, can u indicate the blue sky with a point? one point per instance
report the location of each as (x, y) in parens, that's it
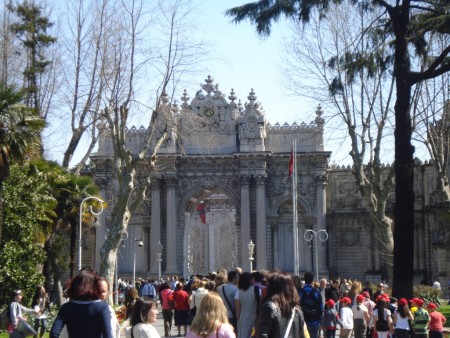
(251, 62)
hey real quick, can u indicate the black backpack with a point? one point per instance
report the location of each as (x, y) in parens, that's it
(310, 302)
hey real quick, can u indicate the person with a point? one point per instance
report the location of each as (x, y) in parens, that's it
(380, 290)
(15, 313)
(247, 300)
(148, 290)
(181, 307)
(166, 306)
(360, 316)
(144, 315)
(211, 319)
(85, 315)
(330, 319)
(355, 290)
(421, 319)
(311, 304)
(227, 292)
(41, 304)
(368, 289)
(196, 297)
(130, 299)
(333, 291)
(437, 321)
(402, 319)
(382, 317)
(346, 315)
(104, 293)
(370, 305)
(280, 314)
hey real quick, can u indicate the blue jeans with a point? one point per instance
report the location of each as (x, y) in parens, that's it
(313, 330)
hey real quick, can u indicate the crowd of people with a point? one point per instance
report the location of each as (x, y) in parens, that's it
(230, 304)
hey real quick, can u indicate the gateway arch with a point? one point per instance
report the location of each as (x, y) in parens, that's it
(219, 187)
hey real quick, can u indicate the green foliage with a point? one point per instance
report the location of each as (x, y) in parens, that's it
(445, 310)
(27, 206)
(31, 28)
(428, 294)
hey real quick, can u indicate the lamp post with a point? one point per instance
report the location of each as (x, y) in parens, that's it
(141, 244)
(81, 222)
(160, 249)
(251, 250)
(323, 237)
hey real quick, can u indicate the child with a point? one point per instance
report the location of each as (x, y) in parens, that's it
(330, 319)
(437, 321)
(346, 318)
(421, 319)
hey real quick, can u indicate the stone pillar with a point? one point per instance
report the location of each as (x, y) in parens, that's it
(245, 221)
(276, 257)
(261, 230)
(155, 226)
(171, 244)
(321, 194)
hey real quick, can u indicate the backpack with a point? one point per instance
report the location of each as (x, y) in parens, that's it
(5, 319)
(310, 302)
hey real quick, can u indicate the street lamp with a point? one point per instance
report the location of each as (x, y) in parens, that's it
(141, 244)
(160, 249)
(81, 222)
(251, 250)
(323, 237)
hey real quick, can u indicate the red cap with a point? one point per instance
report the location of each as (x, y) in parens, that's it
(402, 302)
(360, 298)
(366, 294)
(431, 306)
(419, 302)
(345, 300)
(330, 302)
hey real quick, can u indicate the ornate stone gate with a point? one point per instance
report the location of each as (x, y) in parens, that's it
(222, 183)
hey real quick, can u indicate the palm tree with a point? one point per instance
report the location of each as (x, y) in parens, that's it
(68, 190)
(20, 129)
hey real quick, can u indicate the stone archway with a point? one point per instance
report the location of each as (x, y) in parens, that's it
(210, 234)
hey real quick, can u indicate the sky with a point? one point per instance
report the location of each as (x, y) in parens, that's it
(250, 61)
(242, 60)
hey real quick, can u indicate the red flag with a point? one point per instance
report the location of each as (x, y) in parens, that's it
(291, 162)
(201, 212)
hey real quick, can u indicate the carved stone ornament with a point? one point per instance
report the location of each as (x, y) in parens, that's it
(349, 237)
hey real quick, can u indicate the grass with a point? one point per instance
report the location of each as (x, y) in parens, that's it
(445, 310)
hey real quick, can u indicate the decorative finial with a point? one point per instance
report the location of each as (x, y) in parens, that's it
(319, 114)
(185, 98)
(252, 97)
(232, 95)
(208, 87)
(164, 97)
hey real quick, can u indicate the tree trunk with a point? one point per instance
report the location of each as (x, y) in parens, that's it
(404, 164)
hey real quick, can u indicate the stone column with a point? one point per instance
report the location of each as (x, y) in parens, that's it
(155, 226)
(245, 221)
(321, 194)
(276, 257)
(171, 244)
(261, 231)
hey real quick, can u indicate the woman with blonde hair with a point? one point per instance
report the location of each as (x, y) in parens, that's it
(355, 290)
(211, 319)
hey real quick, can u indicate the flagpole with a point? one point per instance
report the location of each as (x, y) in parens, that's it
(294, 209)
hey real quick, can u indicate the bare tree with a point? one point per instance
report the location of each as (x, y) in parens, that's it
(431, 107)
(169, 55)
(319, 64)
